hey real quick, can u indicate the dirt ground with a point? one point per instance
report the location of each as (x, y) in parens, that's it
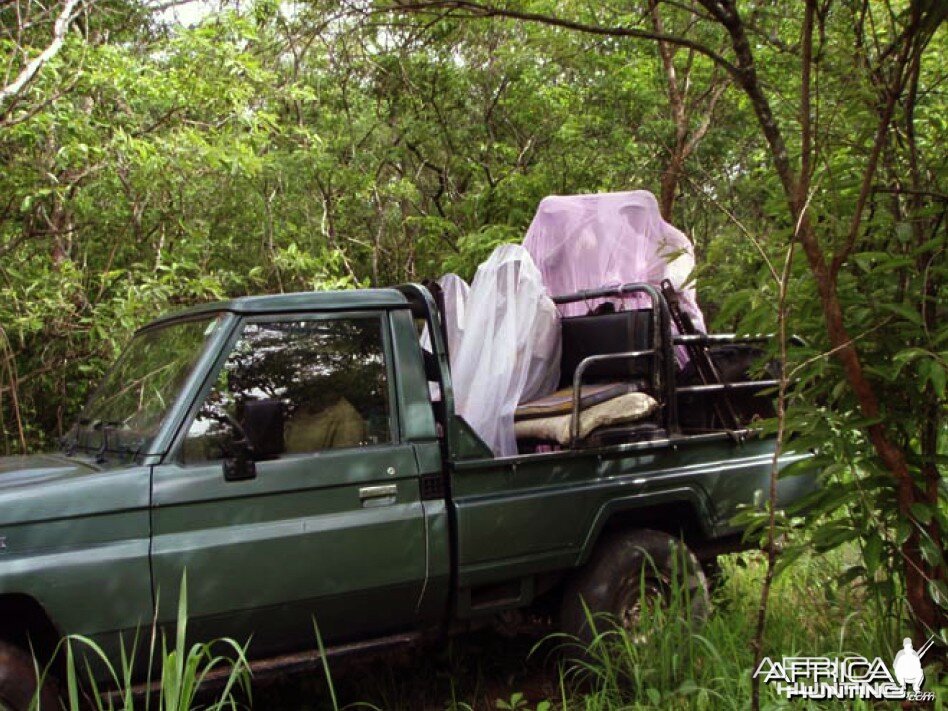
(473, 671)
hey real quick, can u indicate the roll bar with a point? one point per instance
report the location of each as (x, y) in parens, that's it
(578, 384)
(663, 368)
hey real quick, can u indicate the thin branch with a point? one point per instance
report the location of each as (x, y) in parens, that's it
(892, 92)
(477, 10)
(702, 129)
(9, 119)
(32, 68)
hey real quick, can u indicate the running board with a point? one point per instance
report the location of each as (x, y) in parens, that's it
(283, 664)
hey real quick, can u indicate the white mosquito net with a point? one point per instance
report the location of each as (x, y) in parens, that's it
(510, 349)
(455, 291)
(589, 241)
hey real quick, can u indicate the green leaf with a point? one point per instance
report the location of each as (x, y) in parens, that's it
(937, 375)
(872, 553)
(939, 592)
(930, 552)
(922, 512)
(906, 311)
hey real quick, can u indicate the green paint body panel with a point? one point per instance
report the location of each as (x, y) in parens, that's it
(532, 514)
(99, 545)
(76, 539)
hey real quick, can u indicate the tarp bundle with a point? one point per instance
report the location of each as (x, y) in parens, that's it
(510, 349)
(589, 241)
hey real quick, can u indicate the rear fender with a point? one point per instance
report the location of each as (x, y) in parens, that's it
(678, 512)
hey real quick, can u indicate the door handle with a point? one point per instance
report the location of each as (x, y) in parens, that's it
(385, 491)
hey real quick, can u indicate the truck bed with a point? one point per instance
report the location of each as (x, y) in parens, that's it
(520, 518)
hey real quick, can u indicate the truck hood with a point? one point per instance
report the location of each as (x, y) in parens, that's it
(54, 486)
(39, 469)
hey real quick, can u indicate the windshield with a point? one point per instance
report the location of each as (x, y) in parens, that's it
(129, 406)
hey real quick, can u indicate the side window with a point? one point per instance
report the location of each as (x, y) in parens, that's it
(297, 386)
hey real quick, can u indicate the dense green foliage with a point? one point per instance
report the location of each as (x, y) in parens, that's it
(256, 153)
(325, 145)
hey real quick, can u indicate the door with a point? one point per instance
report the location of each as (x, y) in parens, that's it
(330, 529)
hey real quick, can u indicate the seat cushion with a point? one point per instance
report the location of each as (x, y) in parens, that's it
(629, 407)
(561, 402)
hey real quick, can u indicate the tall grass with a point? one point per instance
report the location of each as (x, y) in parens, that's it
(176, 684)
(660, 649)
(665, 661)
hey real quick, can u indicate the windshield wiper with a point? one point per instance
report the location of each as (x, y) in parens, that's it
(108, 428)
(132, 449)
(69, 442)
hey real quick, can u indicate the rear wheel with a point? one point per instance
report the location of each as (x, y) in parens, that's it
(18, 682)
(627, 574)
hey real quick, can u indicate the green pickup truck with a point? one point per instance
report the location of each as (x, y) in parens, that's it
(299, 457)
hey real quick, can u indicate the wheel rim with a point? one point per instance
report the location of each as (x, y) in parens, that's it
(637, 598)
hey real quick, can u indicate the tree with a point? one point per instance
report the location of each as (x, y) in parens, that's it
(683, 106)
(891, 48)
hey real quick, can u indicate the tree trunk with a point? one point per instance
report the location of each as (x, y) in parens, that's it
(927, 614)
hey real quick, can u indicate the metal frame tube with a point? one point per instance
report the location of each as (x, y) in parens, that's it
(710, 339)
(578, 384)
(718, 387)
(663, 370)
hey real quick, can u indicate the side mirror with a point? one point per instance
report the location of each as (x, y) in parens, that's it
(262, 425)
(239, 465)
(261, 438)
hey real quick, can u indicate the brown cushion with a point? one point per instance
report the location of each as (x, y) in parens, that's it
(625, 408)
(561, 402)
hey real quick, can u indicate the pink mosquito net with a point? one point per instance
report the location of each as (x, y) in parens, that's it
(607, 239)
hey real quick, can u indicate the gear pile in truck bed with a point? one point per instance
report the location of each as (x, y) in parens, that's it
(504, 333)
